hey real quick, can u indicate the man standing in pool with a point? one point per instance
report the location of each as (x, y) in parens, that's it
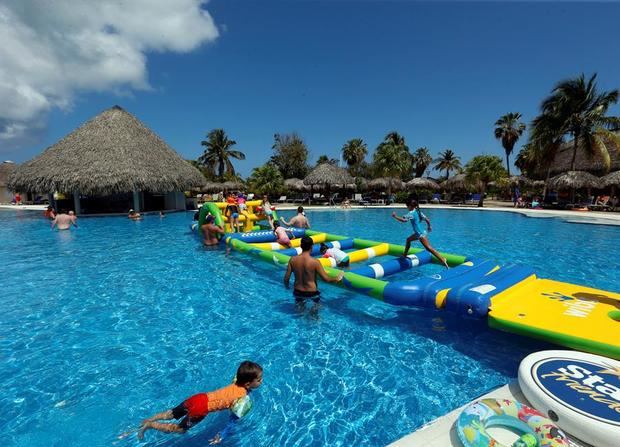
(298, 221)
(306, 269)
(416, 218)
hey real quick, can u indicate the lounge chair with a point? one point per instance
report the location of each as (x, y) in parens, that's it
(437, 198)
(473, 199)
(282, 199)
(359, 199)
(600, 205)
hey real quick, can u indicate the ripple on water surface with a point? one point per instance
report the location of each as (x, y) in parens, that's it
(108, 324)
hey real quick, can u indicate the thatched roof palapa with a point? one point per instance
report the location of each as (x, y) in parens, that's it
(455, 183)
(385, 182)
(295, 184)
(574, 179)
(612, 179)
(112, 153)
(422, 183)
(232, 185)
(327, 174)
(6, 169)
(593, 165)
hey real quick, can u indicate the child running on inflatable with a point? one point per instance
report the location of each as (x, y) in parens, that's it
(416, 218)
(234, 397)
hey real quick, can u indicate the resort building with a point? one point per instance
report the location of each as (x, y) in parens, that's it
(110, 164)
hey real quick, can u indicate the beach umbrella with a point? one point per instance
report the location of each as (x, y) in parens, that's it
(327, 175)
(231, 185)
(612, 179)
(520, 180)
(575, 180)
(212, 187)
(294, 184)
(422, 183)
(392, 183)
(456, 183)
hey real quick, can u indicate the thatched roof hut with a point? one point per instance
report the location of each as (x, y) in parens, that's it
(593, 165)
(387, 183)
(612, 179)
(326, 174)
(457, 182)
(6, 169)
(112, 153)
(294, 184)
(422, 183)
(574, 180)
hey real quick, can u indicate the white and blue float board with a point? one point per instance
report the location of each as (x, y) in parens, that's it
(579, 391)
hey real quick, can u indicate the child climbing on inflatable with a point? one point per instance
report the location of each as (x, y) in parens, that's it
(283, 236)
(234, 397)
(268, 211)
(341, 257)
(416, 217)
(232, 212)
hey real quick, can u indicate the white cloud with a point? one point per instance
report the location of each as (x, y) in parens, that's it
(50, 51)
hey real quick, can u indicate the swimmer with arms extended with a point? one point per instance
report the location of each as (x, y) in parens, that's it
(416, 217)
(306, 269)
(234, 397)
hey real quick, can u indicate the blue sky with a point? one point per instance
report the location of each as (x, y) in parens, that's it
(439, 73)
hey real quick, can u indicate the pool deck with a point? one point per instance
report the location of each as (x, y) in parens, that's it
(578, 217)
(442, 431)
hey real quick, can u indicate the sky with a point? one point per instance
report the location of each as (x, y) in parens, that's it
(439, 73)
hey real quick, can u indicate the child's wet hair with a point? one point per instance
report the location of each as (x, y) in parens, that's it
(276, 224)
(323, 248)
(247, 372)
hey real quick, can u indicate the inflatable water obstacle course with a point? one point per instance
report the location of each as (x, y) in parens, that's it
(509, 296)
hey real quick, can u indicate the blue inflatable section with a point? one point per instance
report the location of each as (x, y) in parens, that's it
(263, 235)
(422, 292)
(474, 298)
(344, 244)
(396, 265)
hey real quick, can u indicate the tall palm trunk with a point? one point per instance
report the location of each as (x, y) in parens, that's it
(572, 165)
(481, 201)
(447, 174)
(546, 183)
(508, 163)
(220, 169)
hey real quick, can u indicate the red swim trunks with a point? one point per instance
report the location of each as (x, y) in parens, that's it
(192, 410)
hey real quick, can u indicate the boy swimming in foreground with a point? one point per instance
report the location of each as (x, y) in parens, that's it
(416, 218)
(195, 408)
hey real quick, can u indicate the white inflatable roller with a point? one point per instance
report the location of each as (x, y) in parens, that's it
(578, 391)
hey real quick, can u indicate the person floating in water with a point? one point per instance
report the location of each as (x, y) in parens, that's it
(64, 221)
(210, 231)
(283, 236)
(341, 257)
(416, 217)
(234, 397)
(298, 221)
(306, 268)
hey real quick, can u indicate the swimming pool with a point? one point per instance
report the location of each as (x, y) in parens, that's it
(105, 325)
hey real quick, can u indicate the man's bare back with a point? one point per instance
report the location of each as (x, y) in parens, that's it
(306, 268)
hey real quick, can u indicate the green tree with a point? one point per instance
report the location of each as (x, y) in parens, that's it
(483, 169)
(207, 171)
(218, 153)
(447, 161)
(290, 155)
(266, 179)
(508, 129)
(421, 159)
(392, 157)
(578, 109)
(325, 159)
(354, 152)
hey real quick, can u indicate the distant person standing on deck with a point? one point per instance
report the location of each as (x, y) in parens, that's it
(298, 221)
(306, 268)
(416, 218)
(64, 221)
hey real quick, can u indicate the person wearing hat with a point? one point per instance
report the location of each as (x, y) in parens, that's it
(133, 215)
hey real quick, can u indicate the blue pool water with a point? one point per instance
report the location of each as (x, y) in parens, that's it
(105, 325)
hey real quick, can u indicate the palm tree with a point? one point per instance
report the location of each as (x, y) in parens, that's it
(392, 157)
(266, 179)
(447, 161)
(325, 159)
(421, 160)
(354, 152)
(579, 110)
(509, 129)
(483, 169)
(218, 153)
